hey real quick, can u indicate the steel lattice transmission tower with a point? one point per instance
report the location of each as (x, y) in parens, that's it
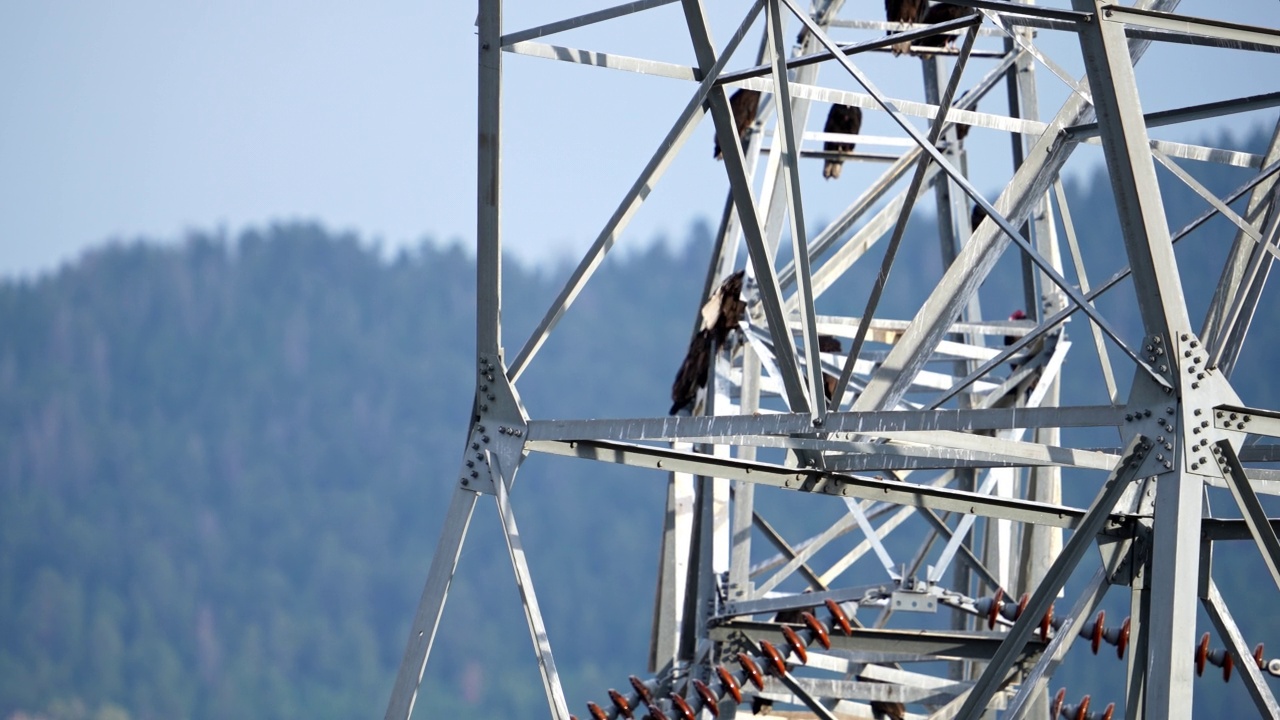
(940, 425)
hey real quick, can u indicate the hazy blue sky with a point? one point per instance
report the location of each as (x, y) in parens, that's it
(146, 118)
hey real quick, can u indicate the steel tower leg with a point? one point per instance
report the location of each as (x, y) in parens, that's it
(908, 416)
(426, 620)
(1175, 563)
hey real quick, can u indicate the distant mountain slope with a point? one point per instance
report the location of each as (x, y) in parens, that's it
(224, 465)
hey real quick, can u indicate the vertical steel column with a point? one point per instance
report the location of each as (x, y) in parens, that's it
(489, 182)
(488, 342)
(1175, 555)
(787, 144)
(1040, 544)
(1019, 146)
(953, 230)
(673, 561)
(799, 108)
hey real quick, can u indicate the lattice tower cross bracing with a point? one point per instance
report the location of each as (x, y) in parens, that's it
(944, 427)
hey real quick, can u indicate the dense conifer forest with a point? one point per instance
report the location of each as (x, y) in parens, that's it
(224, 463)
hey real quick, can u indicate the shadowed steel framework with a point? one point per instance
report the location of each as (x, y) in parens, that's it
(942, 432)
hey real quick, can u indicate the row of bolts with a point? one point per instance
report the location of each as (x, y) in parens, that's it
(773, 660)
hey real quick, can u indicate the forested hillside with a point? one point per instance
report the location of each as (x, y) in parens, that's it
(224, 464)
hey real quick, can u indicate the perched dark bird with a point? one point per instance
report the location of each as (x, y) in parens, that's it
(725, 308)
(888, 710)
(744, 104)
(977, 216)
(941, 12)
(846, 120)
(692, 374)
(719, 318)
(1011, 339)
(1015, 315)
(903, 11)
(885, 709)
(791, 616)
(827, 344)
(962, 129)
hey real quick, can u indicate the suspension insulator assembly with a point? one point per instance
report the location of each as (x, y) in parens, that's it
(797, 645)
(1221, 657)
(642, 690)
(818, 629)
(837, 614)
(708, 698)
(774, 657)
(995, 607)
(1078, 711)
(620, 703)
(730, 683)
(1097, 632)
(752, 670)
(683, 708)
